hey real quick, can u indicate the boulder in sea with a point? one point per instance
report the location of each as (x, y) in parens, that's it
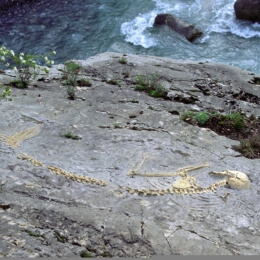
(248, 10)
(190, 32)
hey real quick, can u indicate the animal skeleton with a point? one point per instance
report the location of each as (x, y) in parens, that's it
(15, 140)
(187, 184)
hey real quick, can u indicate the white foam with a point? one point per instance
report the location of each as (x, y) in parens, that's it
(136, 30)
(213, 16)
(225, 22)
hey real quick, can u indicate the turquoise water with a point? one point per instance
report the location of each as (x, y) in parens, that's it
(82, 28)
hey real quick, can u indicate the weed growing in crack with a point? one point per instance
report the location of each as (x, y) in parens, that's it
(33, 234)
(237, 119)
(122, 60)
(234, 126)
(151, 84)
(113, 82)
(86, 254)
(71, 136)
(249, 147)
(70, 73)
(202, 117)
(6, 93)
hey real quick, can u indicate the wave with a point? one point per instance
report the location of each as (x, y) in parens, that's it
(213, 16)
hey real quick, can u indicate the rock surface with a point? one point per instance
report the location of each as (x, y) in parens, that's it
(248, 10)
(43, 214)
(187, 30)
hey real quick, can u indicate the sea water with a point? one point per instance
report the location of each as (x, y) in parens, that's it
(79, 29)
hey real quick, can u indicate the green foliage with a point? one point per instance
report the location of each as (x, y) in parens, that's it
(150, 84)
(122, 60)
(33, 234)
(59, 237)
(250, 147)
(202, 117)
(25, 65)
(86, 254)
(187, 116)
(7, 92)
(71, 92)
(18, 84)
(71, 136)
(117, 124)
(70, 75)
(83, 82)
(238, 120)
(140, 88)
(113, 82)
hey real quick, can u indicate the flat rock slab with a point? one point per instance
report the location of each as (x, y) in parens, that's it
(45, 214)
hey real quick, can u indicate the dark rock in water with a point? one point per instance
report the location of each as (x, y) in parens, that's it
(248, 10)
(187, 30)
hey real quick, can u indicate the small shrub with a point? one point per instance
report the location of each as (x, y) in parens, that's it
(86, 254)
(187, 116)
(151, 85)
(33, 234)
(250, 147)
(140, 88)
(84, 83)
(71, 92)
(60, 238)
(202, 117)
(113, 82)
(122, 60)
(237, 119)
(25, 65)
(70, 75)
(71, 136)
(70, 72)
(18, 84)
(7, 92)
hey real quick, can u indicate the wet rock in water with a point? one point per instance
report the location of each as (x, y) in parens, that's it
(190, 32)
(248, 10)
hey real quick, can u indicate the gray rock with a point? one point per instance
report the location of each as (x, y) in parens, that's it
(47, 215)
(248, 10)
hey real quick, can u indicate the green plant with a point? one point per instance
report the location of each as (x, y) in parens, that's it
(113, 82)
(187, 116)
(202, 117)
(70, 72)
(117, 124)
(250, 147)
(237, 119)
(18, 84)
(150, 84)
(25, 65)
(71, 136)
(59, 237)
(33, 234)
(83, 82)
(70, 75)
(7, 92)
(122, 60)
(86, 254)
(71, 92)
